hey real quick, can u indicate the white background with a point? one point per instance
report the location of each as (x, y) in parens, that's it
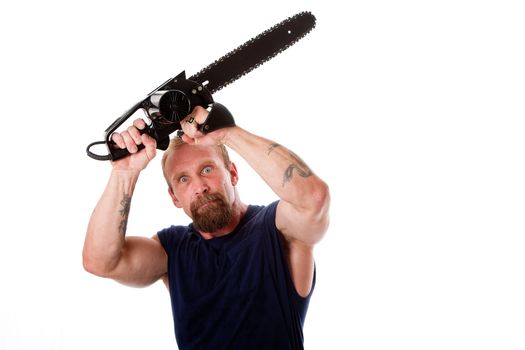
(412, 111)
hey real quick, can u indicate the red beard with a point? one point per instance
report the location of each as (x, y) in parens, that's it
(211, 212)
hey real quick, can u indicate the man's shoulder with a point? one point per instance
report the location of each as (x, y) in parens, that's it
(173, 234)
(258, 219)
(255, 210)
(175, 229)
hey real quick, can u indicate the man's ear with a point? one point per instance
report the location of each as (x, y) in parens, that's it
(174, 198)
(234, 175)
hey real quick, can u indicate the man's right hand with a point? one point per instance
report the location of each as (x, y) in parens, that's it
(130, 139)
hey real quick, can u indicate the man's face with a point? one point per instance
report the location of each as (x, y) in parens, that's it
(202, 185)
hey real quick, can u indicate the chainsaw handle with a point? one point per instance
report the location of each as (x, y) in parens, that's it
(219, 117)
(117, 153)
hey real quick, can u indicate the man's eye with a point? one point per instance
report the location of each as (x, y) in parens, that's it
(183, 179)
(207, 170)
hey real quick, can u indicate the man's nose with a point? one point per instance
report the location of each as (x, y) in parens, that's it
(201, 187)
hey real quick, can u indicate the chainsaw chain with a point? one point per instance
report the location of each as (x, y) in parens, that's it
(196, 76)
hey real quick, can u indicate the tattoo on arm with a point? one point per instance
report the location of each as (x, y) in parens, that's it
(302, 169)
(124, 213)
(300, 166)
(272, 147)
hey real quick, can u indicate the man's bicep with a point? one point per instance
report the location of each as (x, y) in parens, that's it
(306, 226)
(143, 262)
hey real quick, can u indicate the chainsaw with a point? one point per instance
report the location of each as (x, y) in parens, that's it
(167, 105)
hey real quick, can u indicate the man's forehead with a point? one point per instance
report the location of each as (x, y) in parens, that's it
(187, 156)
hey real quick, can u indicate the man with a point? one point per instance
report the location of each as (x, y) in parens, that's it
(240, 276)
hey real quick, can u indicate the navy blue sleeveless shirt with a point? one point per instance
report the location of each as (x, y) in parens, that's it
(234, 291)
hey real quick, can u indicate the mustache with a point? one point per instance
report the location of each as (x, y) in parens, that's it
(205, 199)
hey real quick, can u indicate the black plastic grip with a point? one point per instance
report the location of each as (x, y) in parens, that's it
(218, 118)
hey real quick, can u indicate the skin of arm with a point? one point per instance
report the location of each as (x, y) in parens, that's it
(107, 251)
(303, 210)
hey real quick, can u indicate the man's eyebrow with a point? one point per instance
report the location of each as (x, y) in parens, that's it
(206, 162)
(200, 165)
(178, 175)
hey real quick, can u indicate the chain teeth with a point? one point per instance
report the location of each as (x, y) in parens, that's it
(262, 61)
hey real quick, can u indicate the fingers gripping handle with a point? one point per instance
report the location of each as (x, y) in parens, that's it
(116, 153)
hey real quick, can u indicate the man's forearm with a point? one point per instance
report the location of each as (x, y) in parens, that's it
(288, 176)
(106, 231)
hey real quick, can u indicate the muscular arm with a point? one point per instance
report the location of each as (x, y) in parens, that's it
(134, 261)
(302, 213)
